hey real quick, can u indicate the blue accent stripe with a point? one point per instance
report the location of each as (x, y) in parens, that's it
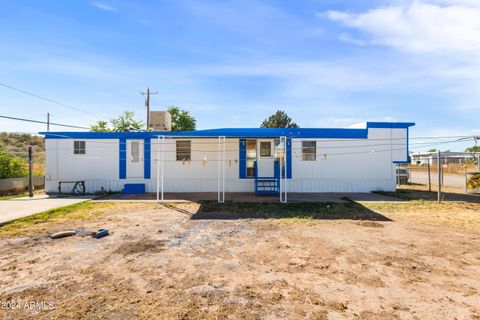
(387, 125)
(122, 158)
(147, 158)
(289, 158)
(242, 156)
(332, 133)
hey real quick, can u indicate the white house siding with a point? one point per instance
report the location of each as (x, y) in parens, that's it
(199, 175)
(98, 166)
(350, 165)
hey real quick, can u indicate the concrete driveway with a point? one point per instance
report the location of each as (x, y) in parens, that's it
(22, 207)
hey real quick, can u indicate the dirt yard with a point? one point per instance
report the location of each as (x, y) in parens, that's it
(395, 261)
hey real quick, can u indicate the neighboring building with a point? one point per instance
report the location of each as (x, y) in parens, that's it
(361, 158)
(448, 157)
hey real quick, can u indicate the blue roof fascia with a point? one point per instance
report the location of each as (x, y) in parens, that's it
(388, 125)
(332, 133)
(229, 133)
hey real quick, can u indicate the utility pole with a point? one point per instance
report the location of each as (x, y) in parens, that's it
(147, 103)
(30, 171)
(48, 121)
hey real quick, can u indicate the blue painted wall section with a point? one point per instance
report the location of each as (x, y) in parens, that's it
(147, 158)
(242, 156)
(289, 158)
(122, 158)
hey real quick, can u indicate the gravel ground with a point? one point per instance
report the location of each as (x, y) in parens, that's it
(160, 263)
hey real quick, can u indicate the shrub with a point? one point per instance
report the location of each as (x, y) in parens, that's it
(11, 166)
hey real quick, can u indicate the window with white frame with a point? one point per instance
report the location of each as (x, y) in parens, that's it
(78, 147)
(184, 150)
(135, 151)
(309, 150)
(265, 149)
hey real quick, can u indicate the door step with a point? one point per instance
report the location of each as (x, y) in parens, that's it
(133, 188)
(267, 186)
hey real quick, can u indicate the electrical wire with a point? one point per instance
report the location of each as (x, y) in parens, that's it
(44, 122)
(47, 99)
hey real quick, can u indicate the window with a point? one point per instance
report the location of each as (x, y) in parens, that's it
(309, 150)
(184, 150)
(265, 149)
(78, 147)
(251, 157)
(135, 151)
(279, 149)
(280, 155)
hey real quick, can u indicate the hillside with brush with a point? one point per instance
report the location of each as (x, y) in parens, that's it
(14, 148)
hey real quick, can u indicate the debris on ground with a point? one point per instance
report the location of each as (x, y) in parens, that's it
(100, 233)
(62, 234)
(83, 232)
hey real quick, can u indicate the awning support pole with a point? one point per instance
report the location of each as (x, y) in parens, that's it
(221, 170)
(283, 177)
(160, 168)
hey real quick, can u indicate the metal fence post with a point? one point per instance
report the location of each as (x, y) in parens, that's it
(429, 176)
(30, 171)
(398, 174)
(439, 195)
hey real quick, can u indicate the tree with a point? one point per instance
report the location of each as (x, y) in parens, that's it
(279, 120)
(432, 150)
(100, 126)
(181, 119)
(124, 123)
(473, 149)
(11, 166)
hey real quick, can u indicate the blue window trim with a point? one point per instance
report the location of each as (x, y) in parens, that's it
(147, 158)
(242, 156)
(122, 156)
(289, 158)
(242, 162)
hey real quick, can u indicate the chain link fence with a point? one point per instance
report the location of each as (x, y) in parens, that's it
(444, 180)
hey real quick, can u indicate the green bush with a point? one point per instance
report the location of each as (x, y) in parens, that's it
(11, 166)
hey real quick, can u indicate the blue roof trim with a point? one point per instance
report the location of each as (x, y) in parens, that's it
(393, 125)
(332, 133)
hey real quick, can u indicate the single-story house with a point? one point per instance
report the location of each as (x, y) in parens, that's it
(360, 158)
(446, 157)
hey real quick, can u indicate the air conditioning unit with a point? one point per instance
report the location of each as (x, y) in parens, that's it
(160, 121)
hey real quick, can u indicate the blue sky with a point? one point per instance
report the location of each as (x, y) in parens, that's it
(328, 63)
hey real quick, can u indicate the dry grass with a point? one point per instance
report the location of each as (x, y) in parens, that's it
(64, 216)
(448, 214)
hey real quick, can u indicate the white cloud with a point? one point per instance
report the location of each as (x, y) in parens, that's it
(103, 6)
(438, 26)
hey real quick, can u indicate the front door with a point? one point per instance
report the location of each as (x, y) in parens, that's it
(266, 158)
(135, 167)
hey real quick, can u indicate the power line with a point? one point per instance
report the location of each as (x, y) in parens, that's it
(44, 122)
(47, 99)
